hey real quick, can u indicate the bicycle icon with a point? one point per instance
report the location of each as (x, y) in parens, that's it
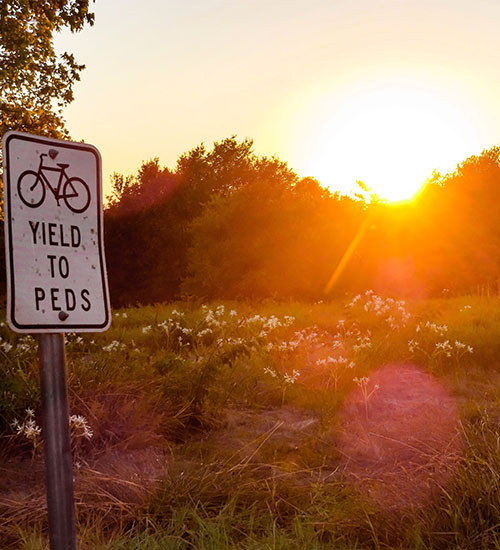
(32, 186)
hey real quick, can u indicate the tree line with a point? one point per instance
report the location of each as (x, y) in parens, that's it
(226, 223)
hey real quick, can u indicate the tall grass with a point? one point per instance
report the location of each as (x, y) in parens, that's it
(216, 426)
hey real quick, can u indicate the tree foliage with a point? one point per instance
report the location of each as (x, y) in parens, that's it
(35, 83)
(462, 212)
(149, 217)
(229, 224)
(270, 239)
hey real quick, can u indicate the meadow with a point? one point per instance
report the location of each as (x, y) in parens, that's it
(364, 422)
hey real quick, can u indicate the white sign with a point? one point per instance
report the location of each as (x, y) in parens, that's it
(56, 273)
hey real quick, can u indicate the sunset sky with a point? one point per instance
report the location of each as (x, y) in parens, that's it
(380, 91)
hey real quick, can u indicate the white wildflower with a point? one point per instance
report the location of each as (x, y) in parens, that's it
(80, 427)
(114, 346)
(412, 345)
(267, 370)
(5, 346)
(290, 379)
(445, 346)
(29, 428)
(438, 329)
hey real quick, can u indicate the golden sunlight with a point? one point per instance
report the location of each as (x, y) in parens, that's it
(391, 138)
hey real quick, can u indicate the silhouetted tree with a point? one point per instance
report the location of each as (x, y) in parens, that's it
(275, 237)
(229, 224)
(462, 212)
(149, 218)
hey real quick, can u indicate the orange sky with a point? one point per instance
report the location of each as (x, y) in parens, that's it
(341, 90)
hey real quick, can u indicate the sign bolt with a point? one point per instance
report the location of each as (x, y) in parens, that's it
(63, 315)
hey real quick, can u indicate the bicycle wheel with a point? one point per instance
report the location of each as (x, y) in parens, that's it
(31, 189)
(76, 195)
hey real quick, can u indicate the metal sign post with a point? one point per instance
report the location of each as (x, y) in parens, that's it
(57, 443)
(56, 283)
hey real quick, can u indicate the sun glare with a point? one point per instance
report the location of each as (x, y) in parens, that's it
(390, 138)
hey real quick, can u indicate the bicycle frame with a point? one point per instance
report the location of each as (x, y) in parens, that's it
(62, 174)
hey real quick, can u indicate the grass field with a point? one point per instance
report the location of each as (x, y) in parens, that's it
(361, 423)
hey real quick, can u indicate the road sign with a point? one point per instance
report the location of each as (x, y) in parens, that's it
(56, 273)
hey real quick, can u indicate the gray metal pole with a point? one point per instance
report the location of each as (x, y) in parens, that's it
(57, 443)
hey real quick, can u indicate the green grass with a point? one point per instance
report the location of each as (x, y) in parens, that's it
(210, 402)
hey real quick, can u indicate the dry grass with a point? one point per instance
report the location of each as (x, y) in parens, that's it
(262, 462)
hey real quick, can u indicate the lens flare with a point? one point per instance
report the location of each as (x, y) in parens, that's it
(400, 437)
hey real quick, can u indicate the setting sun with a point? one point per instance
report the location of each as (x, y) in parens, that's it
(391, 138)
